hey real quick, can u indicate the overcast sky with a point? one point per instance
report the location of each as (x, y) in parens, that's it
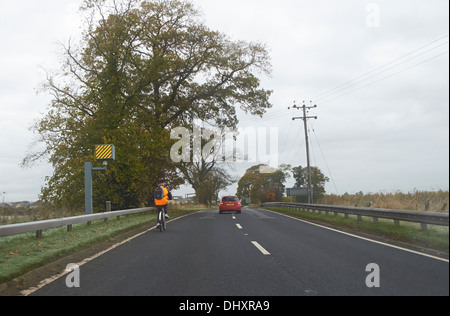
(377, 70)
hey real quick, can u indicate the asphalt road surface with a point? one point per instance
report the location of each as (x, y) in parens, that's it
(256, 253)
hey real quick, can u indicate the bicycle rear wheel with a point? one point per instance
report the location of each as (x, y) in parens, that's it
(162, 221)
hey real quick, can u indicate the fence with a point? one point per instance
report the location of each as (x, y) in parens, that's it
(423, 218)
(38, 227)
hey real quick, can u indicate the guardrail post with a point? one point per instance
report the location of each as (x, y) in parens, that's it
(108, 209)
(39, 234)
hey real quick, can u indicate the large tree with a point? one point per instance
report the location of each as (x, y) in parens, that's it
(318, 181)
(206, 170)
(207, 180)
(141, 69)
(263, 187)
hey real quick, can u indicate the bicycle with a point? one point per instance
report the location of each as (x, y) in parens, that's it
(162, 219)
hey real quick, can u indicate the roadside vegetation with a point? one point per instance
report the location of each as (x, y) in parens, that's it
(435, 237)
(413, 201)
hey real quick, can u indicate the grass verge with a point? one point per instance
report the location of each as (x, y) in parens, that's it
(22, 253)
(435, 238)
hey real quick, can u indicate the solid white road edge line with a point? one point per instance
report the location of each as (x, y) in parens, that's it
(363, 238)
(49, 280)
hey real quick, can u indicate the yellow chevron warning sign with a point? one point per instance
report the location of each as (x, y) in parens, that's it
(105, 152)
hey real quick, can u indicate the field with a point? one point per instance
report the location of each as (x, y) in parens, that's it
(412, 201)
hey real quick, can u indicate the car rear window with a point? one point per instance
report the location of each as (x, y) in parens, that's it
(230, 199)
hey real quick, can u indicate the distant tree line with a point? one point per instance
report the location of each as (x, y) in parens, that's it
(263, 187)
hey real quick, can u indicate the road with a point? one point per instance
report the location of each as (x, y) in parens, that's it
(256, 253)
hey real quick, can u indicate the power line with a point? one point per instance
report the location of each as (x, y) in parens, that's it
(353, 83)
(384, 78)
(383, 71)
(373, 73)
(325, 160)
(286, 139)
(291, 155)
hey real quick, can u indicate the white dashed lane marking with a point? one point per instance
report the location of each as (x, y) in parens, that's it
(255, 243)
(261, 248)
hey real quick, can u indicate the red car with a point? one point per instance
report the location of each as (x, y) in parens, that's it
(230, 204)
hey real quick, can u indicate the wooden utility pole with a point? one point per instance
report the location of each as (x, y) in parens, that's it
(305, 121)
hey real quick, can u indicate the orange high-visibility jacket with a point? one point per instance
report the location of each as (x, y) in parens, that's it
(165, 199)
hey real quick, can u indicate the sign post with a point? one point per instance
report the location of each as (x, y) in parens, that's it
(103, 153)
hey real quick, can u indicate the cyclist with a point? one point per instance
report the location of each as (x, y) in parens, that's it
(162, 198)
